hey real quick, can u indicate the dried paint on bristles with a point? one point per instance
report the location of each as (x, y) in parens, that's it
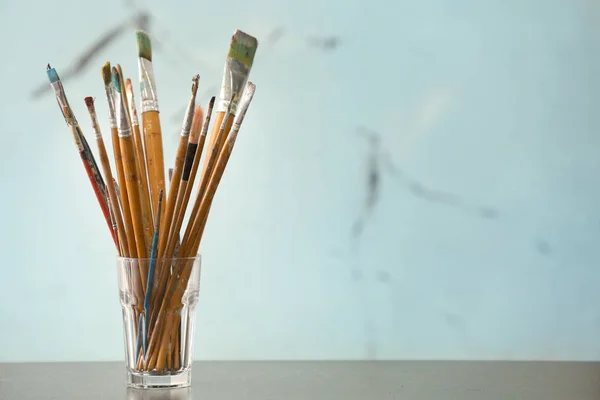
(196, 124)
(195, 81)
(211, 104)
(243, 47)
(52, 74)
(249, 91)
(106, 75)
(128, 86)
(89, 101)
(144, 45)
(116, 79)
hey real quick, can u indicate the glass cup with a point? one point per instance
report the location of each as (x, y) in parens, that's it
(158, 323)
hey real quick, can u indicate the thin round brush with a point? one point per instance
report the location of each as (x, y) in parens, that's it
(85, 153)
(183, 194)
(112, 192)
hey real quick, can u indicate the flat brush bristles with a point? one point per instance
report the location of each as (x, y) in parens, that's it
(243, 48)
(144, 45)
(116, 80)
(106, 74)
(52, 74)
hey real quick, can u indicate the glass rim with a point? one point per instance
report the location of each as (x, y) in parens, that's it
(197, 257)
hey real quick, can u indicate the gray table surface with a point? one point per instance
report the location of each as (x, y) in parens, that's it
(407, 380)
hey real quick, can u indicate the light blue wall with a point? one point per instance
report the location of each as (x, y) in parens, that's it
(496, 103)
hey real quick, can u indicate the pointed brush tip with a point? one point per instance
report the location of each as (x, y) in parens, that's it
(195, 81)
(198, 114)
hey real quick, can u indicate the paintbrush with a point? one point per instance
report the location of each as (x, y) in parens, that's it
(212, 157)
(174, 238)
(129, 165)
(86, 155)
(183, 195)
(139, 157)
(139, 143)
(178, 168)
(216, 176)
(112, 192)
(149, 282)
(178, 285)
(178, 237)
(122, 195)
(150, 119)
(144, 207)
(173, 188)
(185, 243)
(237, 69)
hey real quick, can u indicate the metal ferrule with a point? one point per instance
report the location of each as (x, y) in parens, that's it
(63, 103)
(132, 110)
(186, 127)
(110, 95)
(95, 126)
(147, 86)
(244, 104)
(235, 76)
(123, 126)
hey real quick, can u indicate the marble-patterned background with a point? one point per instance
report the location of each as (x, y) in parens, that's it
(414, 179)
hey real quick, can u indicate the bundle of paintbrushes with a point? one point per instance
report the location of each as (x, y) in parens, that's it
(146, 216)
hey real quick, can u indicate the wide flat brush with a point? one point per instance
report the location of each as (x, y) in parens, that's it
(112, 191)
(237, 69)
(150, 119)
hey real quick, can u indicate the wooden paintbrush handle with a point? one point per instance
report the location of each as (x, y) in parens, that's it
(124, 195)
(100, 197)
(154, 156)
(133, 192)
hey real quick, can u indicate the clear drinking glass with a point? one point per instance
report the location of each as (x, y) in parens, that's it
(159, 323)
